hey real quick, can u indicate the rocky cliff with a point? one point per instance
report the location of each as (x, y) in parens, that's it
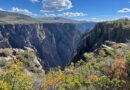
(85, 27)
(82, 26)
(54, 43)
(117, 31)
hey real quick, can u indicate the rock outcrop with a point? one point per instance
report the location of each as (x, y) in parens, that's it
(26, 63)
(30, 61)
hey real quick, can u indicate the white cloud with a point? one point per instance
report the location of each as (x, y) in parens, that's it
(66, 14)
(1, 9)
(22, 11)
(34, 1)
(108, 18)
(124, 10)
(56, 5)
(74, 14)
(50, 15)
(94, 18)
(126, 16)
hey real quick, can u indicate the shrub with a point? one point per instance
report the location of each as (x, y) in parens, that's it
(5, 52)
(111, 52)
(88, 55)
(102, 53)
(14, 77)
(3, 61)
(3, 85)
(27, 58)
(93, 78)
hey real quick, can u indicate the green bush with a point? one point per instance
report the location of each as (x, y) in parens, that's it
(5, 52)
(102, 53)
(88, 55)
(3, 85)
(27, 58)
(14, 79)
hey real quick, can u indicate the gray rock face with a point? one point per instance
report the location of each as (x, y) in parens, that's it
(85, 26)
(54, 43)
(82, 26)
(117, 31)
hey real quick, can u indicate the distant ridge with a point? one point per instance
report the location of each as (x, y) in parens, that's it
(17, 18)
(57, 20)
(60, 20)
(11, 17)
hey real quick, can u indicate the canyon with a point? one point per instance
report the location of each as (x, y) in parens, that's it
(53, 42)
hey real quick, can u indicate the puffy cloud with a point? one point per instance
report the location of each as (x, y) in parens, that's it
(94, 18)
(66, 14)
(98, 19)
(124, 10)
(22, 11)
(56, 5)
(50, 15)
(33, 1)
(74, 14)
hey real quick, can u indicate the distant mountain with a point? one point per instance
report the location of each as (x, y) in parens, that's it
(10, 17)
(57, 20)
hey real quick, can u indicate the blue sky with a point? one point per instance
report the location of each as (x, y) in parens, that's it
(77, 9)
